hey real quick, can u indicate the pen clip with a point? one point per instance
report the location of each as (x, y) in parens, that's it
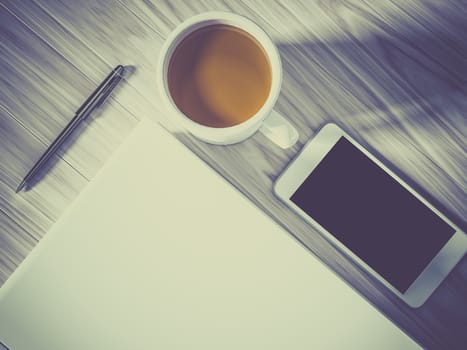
(100, 94)
(108, 90)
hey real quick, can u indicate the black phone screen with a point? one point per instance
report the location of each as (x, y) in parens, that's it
(373, 215)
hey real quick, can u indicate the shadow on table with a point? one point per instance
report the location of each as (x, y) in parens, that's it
(380, 71)
(410, 80)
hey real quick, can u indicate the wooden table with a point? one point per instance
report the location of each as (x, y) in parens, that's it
(391, 73)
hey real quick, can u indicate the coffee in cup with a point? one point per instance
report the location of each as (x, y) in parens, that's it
(219, 76)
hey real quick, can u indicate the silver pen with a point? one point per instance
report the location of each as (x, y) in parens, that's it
(92, 102)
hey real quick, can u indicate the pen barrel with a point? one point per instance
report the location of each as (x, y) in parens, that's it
(54, 146)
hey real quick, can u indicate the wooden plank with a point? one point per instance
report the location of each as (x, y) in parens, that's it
(15, 244)
(168, 13)
(127, 41)
(17, 147)
(42, 90)
(38, 86)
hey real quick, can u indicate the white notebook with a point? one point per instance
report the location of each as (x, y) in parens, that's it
(160, 252)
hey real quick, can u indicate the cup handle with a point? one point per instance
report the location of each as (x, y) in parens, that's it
(277, 129)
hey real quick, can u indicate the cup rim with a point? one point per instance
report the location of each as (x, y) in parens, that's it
(216, 17)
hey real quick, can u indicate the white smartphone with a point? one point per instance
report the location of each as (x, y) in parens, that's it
(373, 216)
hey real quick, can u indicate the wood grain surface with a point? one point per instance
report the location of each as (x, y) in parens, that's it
(391, 73)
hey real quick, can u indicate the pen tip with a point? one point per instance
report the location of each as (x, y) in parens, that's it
(21, 186)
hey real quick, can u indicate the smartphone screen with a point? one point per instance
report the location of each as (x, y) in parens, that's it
(373, 215)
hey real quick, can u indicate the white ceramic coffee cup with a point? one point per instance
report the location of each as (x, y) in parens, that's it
(266, 120)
